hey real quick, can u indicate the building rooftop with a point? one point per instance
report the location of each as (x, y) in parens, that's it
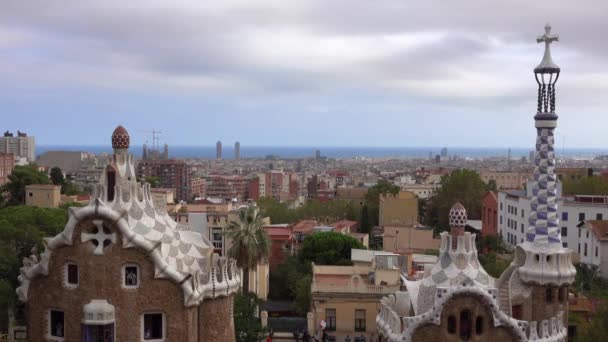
(366, 255)
(599, 228)
(305, 226)
(43, 186)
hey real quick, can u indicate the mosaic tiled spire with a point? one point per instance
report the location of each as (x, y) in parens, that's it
(543, 221)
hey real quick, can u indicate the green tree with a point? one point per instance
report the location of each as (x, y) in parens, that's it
(153, 180)
(69, 188)
(597, 329)
(592, 185)
(250, 244)
(492, 185)
(324, 212)
(464, 186)
(22, 228)
(57, 176)
(365, 226)
(329, 248)
(247, 326)
(19, 178)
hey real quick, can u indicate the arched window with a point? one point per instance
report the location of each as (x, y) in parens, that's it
(452, 324)
(549, 295)
(465, 324)
(561, 294)
(479, 325)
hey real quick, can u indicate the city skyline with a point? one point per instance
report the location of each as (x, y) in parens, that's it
(337, 74)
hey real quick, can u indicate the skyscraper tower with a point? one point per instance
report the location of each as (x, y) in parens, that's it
(237, 150)
(218, 150)
(546, 265)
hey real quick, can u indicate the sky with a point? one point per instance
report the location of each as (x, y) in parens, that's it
(299, 73)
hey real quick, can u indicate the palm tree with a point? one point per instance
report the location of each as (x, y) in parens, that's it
(250, 244)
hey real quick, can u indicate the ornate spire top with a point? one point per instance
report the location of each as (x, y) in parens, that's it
(458, 216)
(546, 74)
(120, 138)
(547, 66)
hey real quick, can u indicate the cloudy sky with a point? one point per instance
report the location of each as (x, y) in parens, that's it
(299, 73)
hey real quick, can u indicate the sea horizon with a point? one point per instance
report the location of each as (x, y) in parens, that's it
(185, 151)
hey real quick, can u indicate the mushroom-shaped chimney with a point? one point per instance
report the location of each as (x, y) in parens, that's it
(458, 219)
(120, 138)
(458, 216)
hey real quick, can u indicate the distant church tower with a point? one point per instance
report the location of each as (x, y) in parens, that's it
(218, 150)
(237, 150)
(546, 266)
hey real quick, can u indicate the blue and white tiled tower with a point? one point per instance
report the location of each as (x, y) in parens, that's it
(546, 261)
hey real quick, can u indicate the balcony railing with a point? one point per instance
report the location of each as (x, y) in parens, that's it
(351, 288)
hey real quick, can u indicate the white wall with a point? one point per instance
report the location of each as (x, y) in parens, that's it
(568, 218)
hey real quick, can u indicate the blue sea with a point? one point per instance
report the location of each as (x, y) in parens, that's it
(333, 152)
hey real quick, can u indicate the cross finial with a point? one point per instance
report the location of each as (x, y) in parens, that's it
(547, 65)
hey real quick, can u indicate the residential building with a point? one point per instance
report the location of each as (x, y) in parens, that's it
(67, 161)
(218, 150)
(351, 194)
(398, 210)
(7, 163)
(172, 173)
(345, 226)
(226, 187)
(347, 298)
(21, 146)
(163, 196)
(489, 214)
(123, 270)
(43, 195)
(513, 207)
(198, 187)
(281, 239)
(408, 239)
(593, 242)
(506, 180)
(272, 184)
(422, 191)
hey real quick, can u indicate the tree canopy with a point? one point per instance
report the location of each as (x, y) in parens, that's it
(324, 212)
(247, 326)
(56, 176)
(292, 279)
(22, 228)
(329, 248)
(250, 243)
(464, 186)
(592, 185)
(19, 178)
(153, 180)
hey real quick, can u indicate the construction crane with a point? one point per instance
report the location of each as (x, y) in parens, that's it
(155, 137)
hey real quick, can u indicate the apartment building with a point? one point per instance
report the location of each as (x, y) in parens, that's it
(7, 162)
(347, 298)
(399, 210)
(513, 211)
(21, 146)
(171, 173)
